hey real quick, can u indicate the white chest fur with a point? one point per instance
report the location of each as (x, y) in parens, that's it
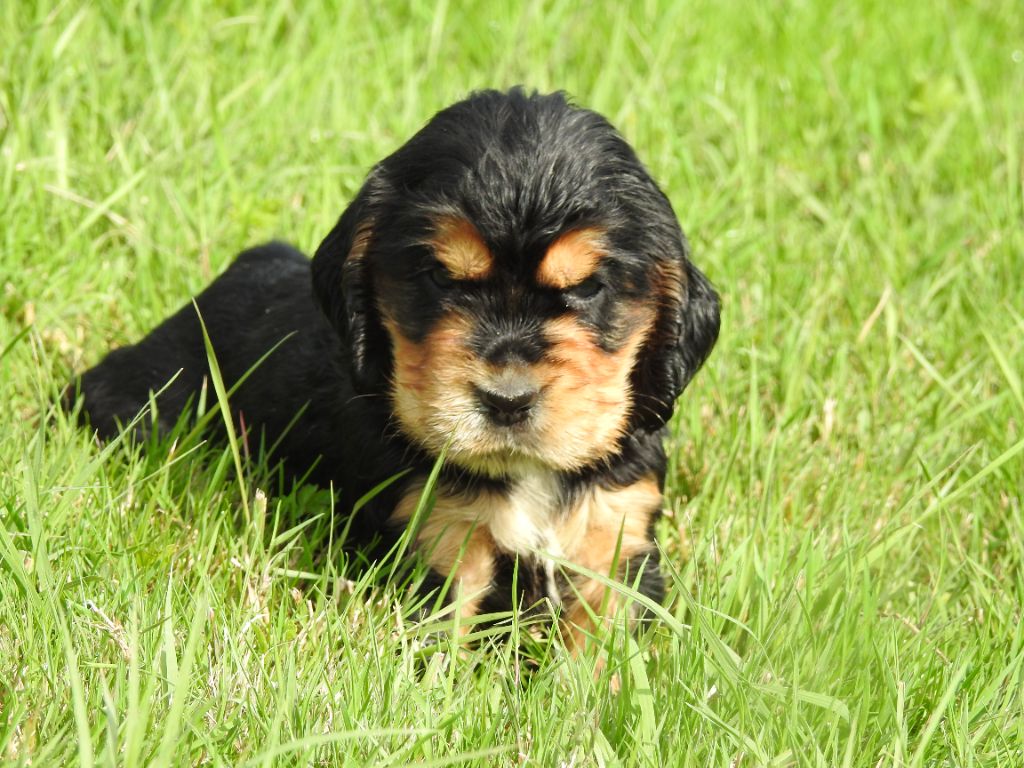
(525, 523)
(469, 534)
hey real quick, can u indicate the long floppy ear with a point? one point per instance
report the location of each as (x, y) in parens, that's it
(685, 330)
(343, 286)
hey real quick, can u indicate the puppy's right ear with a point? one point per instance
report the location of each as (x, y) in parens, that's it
(344, 288)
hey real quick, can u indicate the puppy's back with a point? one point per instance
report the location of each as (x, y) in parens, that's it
(262, 301)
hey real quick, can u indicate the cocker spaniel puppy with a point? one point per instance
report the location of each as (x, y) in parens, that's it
(509, 288)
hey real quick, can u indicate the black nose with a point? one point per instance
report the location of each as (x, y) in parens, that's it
(507, 406)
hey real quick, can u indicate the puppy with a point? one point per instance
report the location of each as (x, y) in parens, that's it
(510, 289)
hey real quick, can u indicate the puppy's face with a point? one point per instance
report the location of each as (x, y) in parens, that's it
(515, 355)
(517, 285)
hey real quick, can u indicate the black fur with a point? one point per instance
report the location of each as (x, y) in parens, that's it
(524, 169)
(301, 398)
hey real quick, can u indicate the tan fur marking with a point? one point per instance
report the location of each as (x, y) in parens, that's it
(572, 258)
(672, 279)
(454, 538)
(588, 395)
(463, 252)
(361, 241)
(430, 379)
(602, 533)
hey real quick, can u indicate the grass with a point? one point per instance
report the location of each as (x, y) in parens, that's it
(846, 528)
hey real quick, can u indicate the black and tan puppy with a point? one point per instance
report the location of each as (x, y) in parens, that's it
(510, 285)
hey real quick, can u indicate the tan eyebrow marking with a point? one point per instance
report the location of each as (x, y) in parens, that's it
(460, 248)
(572, 258)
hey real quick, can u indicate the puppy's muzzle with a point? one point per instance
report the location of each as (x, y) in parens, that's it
(509, 399)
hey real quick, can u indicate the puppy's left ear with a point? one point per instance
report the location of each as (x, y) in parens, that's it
(342, 284)
(685, 331)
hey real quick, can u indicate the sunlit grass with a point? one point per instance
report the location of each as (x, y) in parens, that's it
(845, 531)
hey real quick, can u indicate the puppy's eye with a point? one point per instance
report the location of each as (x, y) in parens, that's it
(588, 290)
(440, 277)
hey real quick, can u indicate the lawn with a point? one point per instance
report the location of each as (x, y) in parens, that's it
(845, 525)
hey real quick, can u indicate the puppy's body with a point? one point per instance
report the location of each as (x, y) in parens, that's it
(296, 398)
(300, 400)
(509, 287)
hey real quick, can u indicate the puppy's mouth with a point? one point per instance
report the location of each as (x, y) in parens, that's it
(502, 435)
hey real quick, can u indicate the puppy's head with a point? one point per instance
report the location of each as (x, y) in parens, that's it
(518, 285)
